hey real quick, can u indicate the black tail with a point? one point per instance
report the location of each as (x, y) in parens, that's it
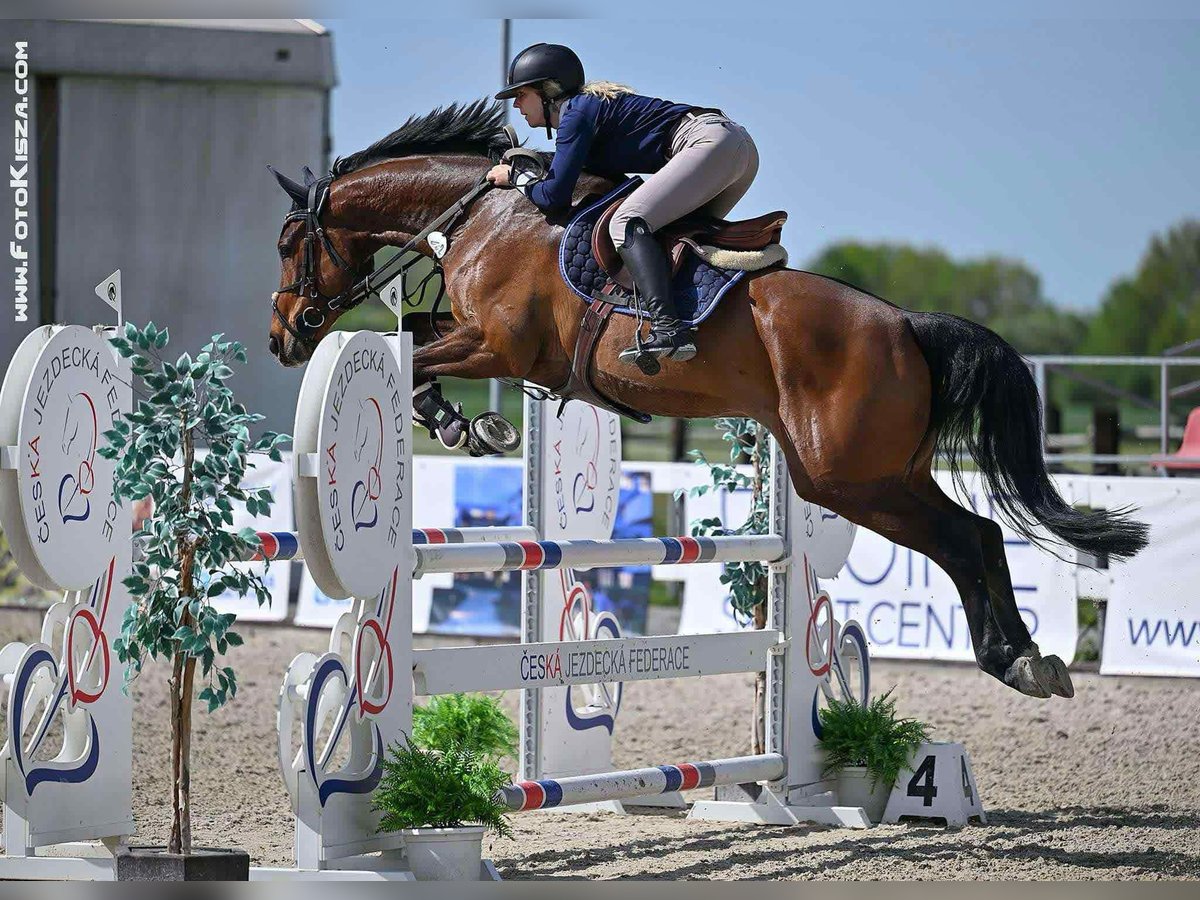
(985, 400)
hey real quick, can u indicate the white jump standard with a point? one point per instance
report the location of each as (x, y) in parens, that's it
(355, 467)
(63, 389)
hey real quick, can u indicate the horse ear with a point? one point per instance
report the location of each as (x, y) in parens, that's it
(295, 191)
(309, 177)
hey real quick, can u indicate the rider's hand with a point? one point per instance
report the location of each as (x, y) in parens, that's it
(499, 175)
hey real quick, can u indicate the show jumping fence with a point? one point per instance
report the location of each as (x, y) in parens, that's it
(340, 710)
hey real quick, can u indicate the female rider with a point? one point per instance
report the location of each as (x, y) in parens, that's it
(700, 160)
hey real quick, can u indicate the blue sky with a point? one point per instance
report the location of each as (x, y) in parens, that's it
(1061, 142)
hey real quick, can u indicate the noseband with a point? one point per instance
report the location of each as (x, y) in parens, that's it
(313, 317)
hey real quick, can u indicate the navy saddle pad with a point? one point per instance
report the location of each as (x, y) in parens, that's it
(698, 287)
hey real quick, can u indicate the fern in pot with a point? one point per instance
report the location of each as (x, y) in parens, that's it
(866, 748)
(472, 720)
(443, 802)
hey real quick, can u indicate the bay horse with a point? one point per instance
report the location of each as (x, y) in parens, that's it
(860, 394)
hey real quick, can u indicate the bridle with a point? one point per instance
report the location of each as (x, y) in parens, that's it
(308, 324)
(314, 316)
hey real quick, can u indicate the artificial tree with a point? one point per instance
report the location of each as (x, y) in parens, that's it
(188, 544)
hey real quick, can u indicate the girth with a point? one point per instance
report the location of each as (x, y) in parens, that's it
(578, 385)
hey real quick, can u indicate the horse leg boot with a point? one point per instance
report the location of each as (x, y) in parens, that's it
(647, 263)
(445, 421)
(488, 434)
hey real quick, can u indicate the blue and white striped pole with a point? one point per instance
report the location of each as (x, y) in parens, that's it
(286, 545)
(552, 793)
(529, 555)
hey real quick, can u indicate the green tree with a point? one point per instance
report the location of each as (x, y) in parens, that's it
(1155, 308)
(189, 543)
(1003, 294)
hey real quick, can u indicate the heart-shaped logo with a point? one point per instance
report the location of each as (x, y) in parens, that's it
(329, 680)
(66, 684)
(87, 678)
(588, 705)
(36, 672)
(349, 706)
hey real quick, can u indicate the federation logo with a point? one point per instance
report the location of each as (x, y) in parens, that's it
(80, 433)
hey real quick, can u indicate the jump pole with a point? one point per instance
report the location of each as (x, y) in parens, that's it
(614, 786)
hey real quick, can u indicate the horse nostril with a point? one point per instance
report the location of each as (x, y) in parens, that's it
(273, 343)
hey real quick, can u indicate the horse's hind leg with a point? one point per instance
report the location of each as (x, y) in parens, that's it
(914, 517)
(1002, 625)
(1050, 671)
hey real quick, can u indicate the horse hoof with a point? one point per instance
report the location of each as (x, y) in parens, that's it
(490, 434)
(1023, 676)
(1053, 674)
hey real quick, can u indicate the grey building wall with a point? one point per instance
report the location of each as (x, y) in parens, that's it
(159, 168)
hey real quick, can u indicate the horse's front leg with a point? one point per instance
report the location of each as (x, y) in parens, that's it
(461, 354)
(425, 329)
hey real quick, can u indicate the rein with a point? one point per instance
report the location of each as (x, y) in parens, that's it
(312, 317)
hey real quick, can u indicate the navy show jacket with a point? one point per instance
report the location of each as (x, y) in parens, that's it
(627, 134)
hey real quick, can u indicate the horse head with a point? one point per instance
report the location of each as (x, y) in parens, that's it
(321, 259)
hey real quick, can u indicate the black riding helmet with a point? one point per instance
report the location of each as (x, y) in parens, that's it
(541, 63)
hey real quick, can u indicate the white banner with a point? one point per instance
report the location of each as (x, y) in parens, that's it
(1153, 621)
(433, 507)
(264, 472)
(908, 606)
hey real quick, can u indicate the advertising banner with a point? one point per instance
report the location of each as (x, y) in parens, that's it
(908, 606)
(1152, 626)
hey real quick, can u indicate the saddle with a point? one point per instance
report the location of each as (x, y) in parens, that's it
(692, 232)
(709, 256)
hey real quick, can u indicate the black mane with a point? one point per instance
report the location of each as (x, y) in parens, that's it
(470, 128)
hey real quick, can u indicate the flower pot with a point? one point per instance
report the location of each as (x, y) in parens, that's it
(202, 864)
(444, 854)
(854, 789)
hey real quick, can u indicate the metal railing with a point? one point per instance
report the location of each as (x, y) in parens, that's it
(1171, 359)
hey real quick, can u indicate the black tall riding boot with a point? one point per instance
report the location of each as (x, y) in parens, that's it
(651, 272)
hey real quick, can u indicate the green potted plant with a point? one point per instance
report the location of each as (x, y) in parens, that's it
(475, 721)
(867, 747)
(188, 551)
(442, 802)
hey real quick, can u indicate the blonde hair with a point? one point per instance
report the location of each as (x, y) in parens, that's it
(605, 90)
